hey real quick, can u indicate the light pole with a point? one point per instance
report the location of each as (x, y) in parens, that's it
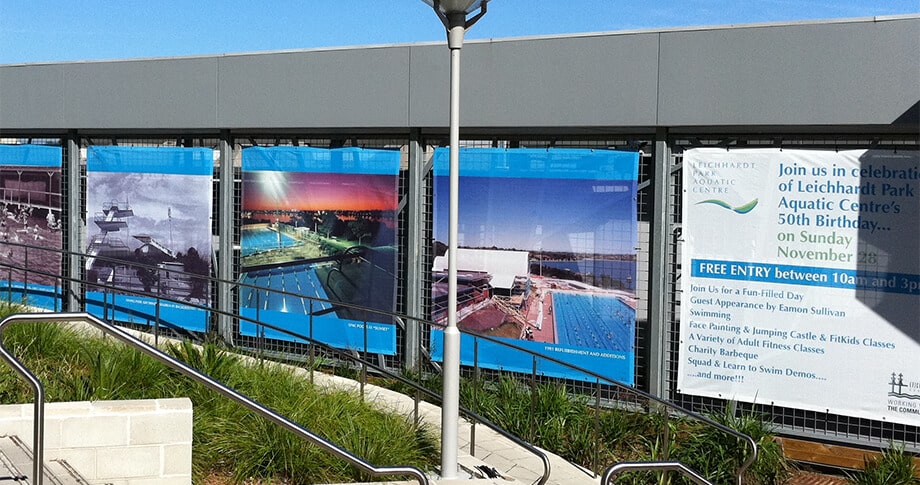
(453, 14)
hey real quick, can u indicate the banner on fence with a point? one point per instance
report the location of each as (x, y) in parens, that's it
(148, 219)
(30, 225)
(546, 259)
(319, 244)
(801, 280)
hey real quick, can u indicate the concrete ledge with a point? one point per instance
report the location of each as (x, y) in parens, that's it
(134, 442)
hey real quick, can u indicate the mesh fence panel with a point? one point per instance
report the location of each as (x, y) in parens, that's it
(789, 421)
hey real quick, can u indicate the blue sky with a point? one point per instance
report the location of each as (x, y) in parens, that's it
(50, 31)
(532, 213)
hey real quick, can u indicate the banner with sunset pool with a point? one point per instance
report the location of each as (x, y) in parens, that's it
(318, 246)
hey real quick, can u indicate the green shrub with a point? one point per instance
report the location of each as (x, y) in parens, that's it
(550, 417)
(893, 467)
(718, 455)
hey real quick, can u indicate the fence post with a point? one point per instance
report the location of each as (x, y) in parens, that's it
(225, 220)
(72, 224)
(414, 252)
(659, 216)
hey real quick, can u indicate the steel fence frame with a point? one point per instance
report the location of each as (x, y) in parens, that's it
(659, 217)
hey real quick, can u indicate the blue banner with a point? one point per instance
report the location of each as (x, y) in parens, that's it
(546, 259)
(610, 364)
(30, 155)
(33, 295)
(884, 282)
(139, 310)
(319, 245)
(149, 234)
(556, 163)
(30, 224)
(360, 336)
(309, 159)
(165, 160)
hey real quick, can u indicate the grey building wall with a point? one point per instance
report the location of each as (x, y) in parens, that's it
(860, 73)
(846, 73)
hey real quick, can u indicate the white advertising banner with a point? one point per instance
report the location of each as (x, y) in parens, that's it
(801, 280)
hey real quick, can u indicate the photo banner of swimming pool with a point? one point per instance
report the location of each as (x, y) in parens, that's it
(149, 233)
(30, 214)
(319, 240)
(546, 258)
(801, 280)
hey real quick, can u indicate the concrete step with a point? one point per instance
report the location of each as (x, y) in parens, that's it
(16, 466)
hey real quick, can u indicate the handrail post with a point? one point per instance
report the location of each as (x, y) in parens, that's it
(312, 347)
(364, 360)
(156, 322)
(597, 424)
(417, 366)
(666, 439)
(260, 330)
(38, 429)
(475, 395)
(533, 399)
(25, 275)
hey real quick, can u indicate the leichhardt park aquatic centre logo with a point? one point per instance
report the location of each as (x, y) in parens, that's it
(741, 209)
(719, 179)
(904, 394)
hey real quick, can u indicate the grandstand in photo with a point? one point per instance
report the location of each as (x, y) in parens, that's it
(497, 295)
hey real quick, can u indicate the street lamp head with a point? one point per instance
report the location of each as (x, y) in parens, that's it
(456, 6)
(453, 12)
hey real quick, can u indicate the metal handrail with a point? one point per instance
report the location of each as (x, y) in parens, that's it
(541, 455)
(676, 466)
(190, 372)
(600, 378)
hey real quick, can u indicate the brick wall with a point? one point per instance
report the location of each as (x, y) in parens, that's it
(142, 442)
